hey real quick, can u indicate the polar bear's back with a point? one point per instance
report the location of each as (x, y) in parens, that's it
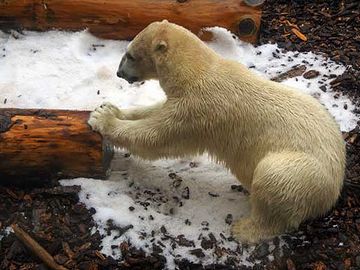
(285, 119)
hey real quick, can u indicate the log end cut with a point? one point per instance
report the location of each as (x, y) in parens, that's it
(41, 145)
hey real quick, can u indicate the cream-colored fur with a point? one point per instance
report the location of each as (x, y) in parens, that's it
(282, 145)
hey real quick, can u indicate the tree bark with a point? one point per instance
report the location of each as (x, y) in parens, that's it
(38, 145)
(123, 19)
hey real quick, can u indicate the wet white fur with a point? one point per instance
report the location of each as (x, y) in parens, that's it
(282, 145)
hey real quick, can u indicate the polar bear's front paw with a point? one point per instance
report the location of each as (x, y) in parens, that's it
(103, 119)
(113, 109)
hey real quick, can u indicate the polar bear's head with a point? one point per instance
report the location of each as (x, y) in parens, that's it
(139, 61)
(163, 47)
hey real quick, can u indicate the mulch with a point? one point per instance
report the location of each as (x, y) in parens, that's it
(332, 28)
(54, 217)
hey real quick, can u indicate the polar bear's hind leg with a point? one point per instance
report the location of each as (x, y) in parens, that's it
(280, 200)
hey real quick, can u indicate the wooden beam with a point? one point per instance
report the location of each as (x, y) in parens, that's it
(123, 19)
(46, 144)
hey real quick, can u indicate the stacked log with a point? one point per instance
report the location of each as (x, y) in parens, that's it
(123, 19)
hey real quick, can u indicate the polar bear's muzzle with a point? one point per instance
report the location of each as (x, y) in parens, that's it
(130, 79)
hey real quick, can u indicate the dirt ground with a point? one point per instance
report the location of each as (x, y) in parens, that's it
(55, 218)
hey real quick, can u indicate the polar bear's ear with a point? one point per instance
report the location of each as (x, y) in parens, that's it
(161, 46)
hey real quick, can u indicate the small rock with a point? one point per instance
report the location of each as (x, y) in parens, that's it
(177, 183)
(204, 223)
(311, 74)
(213, 194)
(237, 188)
(60, 259)
(131, 208)
(156, 249)
(182, 241)
(163, 229)
(323, 88)
(276, 241)
(186, 193)
(197, 252)
(229, 219)
(212, 238)
(261, 251)
(343, 237)
(206, 244)
(357, 261)
(193, 164)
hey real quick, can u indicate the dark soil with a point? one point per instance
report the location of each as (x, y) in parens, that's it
(55, 218)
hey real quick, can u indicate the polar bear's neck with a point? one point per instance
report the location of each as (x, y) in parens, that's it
(191, 62)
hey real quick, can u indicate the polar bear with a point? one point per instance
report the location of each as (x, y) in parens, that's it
(282, 145)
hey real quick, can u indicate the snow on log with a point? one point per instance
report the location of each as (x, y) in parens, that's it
(123, 19)
(38, 145)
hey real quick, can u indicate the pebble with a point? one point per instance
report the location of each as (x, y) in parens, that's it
(229, 219)
(261, 251)
(357, 261)
(182, 241)
(177, 183)
(206, 244)
(323, 88)
(185, 193)
(213, 194)
(238, 188)
(163, 229)
(204, 223)
(197, 252)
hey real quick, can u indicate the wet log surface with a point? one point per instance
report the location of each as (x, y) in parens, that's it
(116, 19)
(46, 144)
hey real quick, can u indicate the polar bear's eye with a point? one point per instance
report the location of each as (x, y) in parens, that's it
(130, 57)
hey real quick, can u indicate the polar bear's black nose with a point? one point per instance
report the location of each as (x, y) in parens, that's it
(120, 74)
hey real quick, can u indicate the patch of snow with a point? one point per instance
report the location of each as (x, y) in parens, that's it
(6, 232)
(187, 197)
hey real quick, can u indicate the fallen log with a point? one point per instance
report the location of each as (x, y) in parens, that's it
(36, 145)
(122, 19)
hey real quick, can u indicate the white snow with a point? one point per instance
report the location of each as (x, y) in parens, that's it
(78, 71)
(137, 181)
